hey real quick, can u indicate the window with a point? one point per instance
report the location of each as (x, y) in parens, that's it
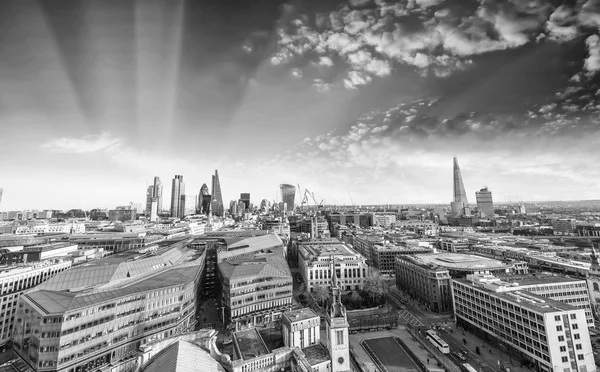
(576, 336)
(573, 316)
(563, 349)
(575, 326)
(339, 335)
(580, 357)
(578, 346)
(557, 318)
(565, 359)
(559, 328)
(561, 338)
(596, 288)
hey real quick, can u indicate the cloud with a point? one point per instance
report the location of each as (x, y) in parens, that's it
(356, 79)
(86, 144)
(592, 63)
(561, 25)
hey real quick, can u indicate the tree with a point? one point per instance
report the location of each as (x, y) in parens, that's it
(321, 294)
(300, 290)
(356, 298)
(374, 284)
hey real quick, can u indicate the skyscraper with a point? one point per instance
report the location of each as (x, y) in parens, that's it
(460, 196)
(177, 195)
(1, 190)
(288, 195)
(149, 198)
(157, 193)
(245, 197)
(204, 199)
(484, 202)
(217, 197)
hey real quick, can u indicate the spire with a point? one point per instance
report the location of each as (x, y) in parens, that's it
(333, 276)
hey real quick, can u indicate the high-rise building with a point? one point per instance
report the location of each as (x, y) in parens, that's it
(149, 197)
(484, 202)
(460, 202)
(177, 191)
(288, 196)
(203, 200)
(233, 207)
(217, 197)
(157, 193)
(245, 197)
(1, 190)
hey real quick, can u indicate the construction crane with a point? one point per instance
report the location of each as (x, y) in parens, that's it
(351, 200)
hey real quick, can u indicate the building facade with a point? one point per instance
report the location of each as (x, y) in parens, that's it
(485, 204)
(314, 259)
(256, 289)
(16, 280)
(217, 206)
(548, 335)
(288, 196)
(177, 192)
(428, 284)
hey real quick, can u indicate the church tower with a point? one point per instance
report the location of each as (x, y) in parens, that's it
(338, 343)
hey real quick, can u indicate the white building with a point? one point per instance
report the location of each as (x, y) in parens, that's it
(14, 280)
(314, 260)
(550, 335)
(55, 228)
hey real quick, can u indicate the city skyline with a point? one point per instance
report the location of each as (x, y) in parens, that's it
(367, 98)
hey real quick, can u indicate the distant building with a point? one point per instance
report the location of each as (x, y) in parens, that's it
(563, 226)
(116, 242)
(204, 199)
(177, 195)
(217, 197)
(245, 198)
(588, 229)
(154, 195)
(233, 207)
(314, 259)
(122, 215)
(363, 220)
(549, 335)
(485, 204)
(288, 196)
(384, 219)
(460, 202)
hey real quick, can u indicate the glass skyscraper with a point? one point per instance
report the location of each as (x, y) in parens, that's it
(485, 203)
(288, 196)
(177, 195)
(217, 197)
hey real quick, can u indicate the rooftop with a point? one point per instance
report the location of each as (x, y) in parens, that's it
(269, 263)
(316, 354)
(524, 298)
(183, 356)
(249, 343)
(325, 250)
(300, 314)
(456, 261)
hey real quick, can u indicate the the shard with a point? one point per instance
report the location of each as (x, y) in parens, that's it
(460, 196)
(217, 197)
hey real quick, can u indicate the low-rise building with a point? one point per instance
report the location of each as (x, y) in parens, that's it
(314, 261)
(547, 334)
(256, 289)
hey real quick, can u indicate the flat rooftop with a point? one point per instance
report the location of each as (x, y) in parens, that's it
(457, 261)
(539, 279)
(325, 250)
(249, 343)
(316, 354)
(523, 298)
(300, 314)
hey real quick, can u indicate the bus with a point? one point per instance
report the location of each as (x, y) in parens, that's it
(436, 341)
(466, 367)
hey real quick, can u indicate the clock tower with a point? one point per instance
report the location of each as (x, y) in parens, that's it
(338, 343)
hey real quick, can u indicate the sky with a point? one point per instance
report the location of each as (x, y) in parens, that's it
(362, 101)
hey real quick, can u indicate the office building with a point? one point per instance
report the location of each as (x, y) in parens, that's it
(459, 203)
(288, 196)
(314, 259)
(91, 316)
(363, 220)
(563, 226)
(428, 284)
(15, 280)
(217, 206)
(560, 288)
(384, 255)
(116, 242)
(256, 289)
(485, 204)
(548, 335)
(593, 282)
(1, 192)
(122, 215)
(245, 198)
(177, 195)
(384, 219)
(204, 199)
(233, 208)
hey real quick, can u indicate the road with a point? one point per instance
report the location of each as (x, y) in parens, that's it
(473, 359)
